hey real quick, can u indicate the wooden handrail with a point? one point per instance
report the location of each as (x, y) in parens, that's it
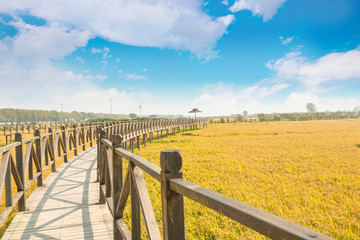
(44, 150)
(173, 189)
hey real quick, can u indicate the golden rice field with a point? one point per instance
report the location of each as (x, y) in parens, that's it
(306, 172)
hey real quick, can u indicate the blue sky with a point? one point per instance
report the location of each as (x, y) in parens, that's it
(222, 57)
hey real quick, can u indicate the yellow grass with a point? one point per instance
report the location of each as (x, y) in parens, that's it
(306, 172)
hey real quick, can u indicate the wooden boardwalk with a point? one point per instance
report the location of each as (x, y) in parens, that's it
(66, 207)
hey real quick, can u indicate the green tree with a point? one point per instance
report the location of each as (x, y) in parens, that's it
(311, 107)
(132, 115)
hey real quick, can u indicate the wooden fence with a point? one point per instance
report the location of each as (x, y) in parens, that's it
(116, 189)
(113, 142)
(21, 158)
(25, 160)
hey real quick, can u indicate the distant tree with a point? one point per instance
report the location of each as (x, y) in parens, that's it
(227, 120)
(239, 118)
(222, 120)
(357, 109)
(311, 107)
(132, 115)
(245, 113)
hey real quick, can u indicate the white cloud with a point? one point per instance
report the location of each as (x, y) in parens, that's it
(296, 102)
(134, 76)
(286, 41)
(265, 8)
(225, 99)
(96, 50)
(80, 59)
(41, 43)
(105, 54)
(175, 24)
(225, 2)
(332, 67)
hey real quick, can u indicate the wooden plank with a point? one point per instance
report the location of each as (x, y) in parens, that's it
(36, 160)
(147, 166)
(27, 157)
(135, 208)
(124, 230)
(9, 146)
(8, 192)
(146, 207)
(6, 212)
(124, 194)
(3, 168)
(16, 175)
(261, 221)
(66, 208)
(25, 141)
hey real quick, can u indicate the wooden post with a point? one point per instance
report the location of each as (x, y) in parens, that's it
(91, 135)
(158, 135)
(150, 137)
(75, 140)
(132, 145)
(51, 146)
(20, 169)
(98, 131)
(8, 192)
(117, 182)
(135, 208)
(65, 142)
(172, 202)
(144, 140)
(38, 155)
(138, 142)
(83, 136)
(101, 160)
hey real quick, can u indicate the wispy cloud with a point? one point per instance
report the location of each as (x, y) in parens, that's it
(80, 59)
(265, 8)
(132, 76)
(286, 41)
(105, 54)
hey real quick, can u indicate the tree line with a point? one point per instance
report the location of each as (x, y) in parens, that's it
(305, 116)
(26, 116)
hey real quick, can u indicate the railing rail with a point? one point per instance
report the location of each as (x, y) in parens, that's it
(116, 189)
(26, 160)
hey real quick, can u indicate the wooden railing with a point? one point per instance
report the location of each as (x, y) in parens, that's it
(20, 159)
(37, 153)
(116, 189)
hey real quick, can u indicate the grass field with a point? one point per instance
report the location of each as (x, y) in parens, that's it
(306, 172)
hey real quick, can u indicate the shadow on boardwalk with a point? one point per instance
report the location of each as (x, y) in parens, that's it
(66, 207)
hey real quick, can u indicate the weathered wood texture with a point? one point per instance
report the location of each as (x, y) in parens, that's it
(66, 207)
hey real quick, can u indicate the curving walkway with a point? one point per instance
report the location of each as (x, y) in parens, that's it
(66, 207)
